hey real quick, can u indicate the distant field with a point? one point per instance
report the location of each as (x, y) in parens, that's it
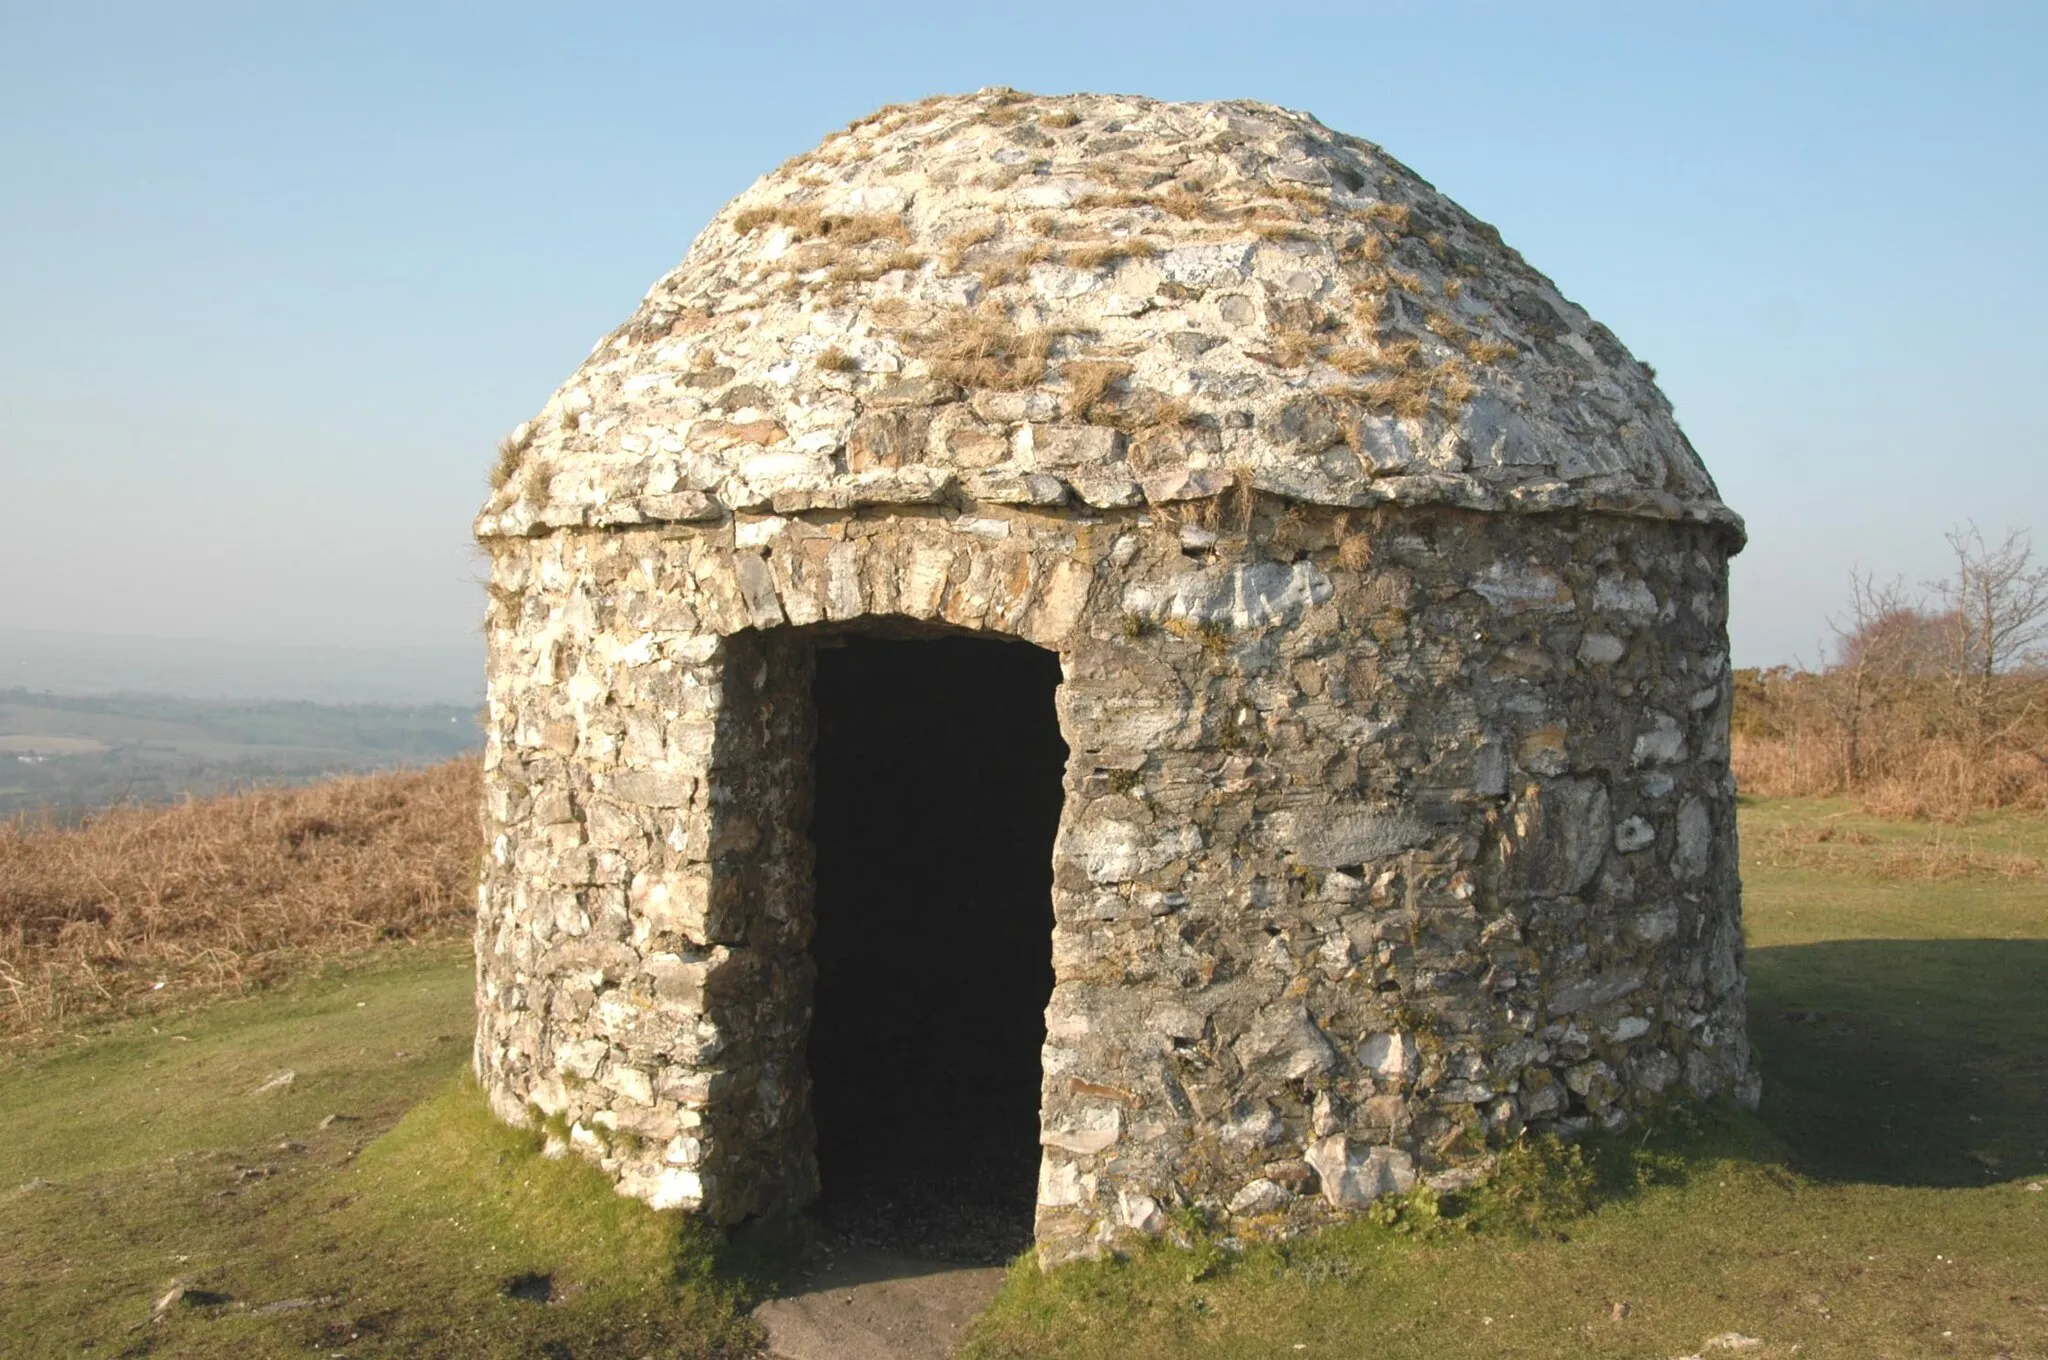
(67, 754)
(33, 744)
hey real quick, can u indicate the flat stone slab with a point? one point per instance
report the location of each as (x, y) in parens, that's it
(871, 1305)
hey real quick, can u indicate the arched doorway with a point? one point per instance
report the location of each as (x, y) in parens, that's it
(938, 785)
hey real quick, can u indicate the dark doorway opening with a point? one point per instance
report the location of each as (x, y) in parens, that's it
(938, 773)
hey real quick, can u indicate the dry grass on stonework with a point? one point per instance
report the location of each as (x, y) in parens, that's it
(807, 223)
(1089, 381)
(867, 271)
(986, 349)
(1014, 266)
(953, 250)
(142, 906)
(1413, 393)
(1100, 254)
(510, 451)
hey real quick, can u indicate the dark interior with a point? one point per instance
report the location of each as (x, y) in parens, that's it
(938, 794)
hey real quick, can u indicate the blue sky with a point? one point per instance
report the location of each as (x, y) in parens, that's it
(274, 278)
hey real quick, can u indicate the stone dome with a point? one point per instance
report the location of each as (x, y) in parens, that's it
(1087, 659)
(1001, 298)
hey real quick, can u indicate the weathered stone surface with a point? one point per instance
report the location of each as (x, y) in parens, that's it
(1261, 1196)
(1353, 1176)
(1325, 838)
(777, 359)
(1397, 813)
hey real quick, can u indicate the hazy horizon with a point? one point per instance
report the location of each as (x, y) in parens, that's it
(278, 280)
(72, 663)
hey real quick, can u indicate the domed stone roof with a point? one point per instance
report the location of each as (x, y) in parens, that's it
(1097, 301)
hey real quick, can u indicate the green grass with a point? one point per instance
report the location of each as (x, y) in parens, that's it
(148, 1156)
(1902, 1021)
(1879, 1205)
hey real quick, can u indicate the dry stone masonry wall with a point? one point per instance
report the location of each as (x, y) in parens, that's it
(1390, 607)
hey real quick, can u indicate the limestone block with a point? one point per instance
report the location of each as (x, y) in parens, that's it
(1652, 1070)
(1139, 1212)
(1104, 488)
(1011, 408)
(1250, 596)
(1261, 1196)
(845, 596)
(1694, 850)
(1165, 485)
(922, 581)
(1626, 596)
(1011, 484)
(1110, 851)
(1543, 1095)
(1515, 588)
(1056, 609)
(1331, 837)
(581, 1058)
(1208, 266)
(757, 589)
(679, 507)
(677, 902)
(1632, 834)
(1354, 1176)
(899, 486)
(1601, 649)
(961, 439)
(888, 438)
(1595, 989)
(1661, 743)
(1392, 1056)
(1285, 1042)
(910, 392)
(1562, 830)
(1044, 447)
(657, 788)
(1064, 1183)
(1084, 1130)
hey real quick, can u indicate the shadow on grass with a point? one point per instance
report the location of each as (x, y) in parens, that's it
(1905, 1062)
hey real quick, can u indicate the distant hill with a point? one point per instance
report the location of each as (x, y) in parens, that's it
(92, 663)
(72, 753)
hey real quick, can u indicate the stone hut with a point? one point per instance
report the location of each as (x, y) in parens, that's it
(1124, 655)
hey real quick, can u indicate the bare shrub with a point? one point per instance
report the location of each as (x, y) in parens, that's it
(139, 906)
(1932, 707)
(1996, 625)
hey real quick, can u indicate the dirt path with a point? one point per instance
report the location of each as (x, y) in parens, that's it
(857, 1304)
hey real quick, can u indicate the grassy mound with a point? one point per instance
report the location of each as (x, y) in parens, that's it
(142, 907)
(368, 1205)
